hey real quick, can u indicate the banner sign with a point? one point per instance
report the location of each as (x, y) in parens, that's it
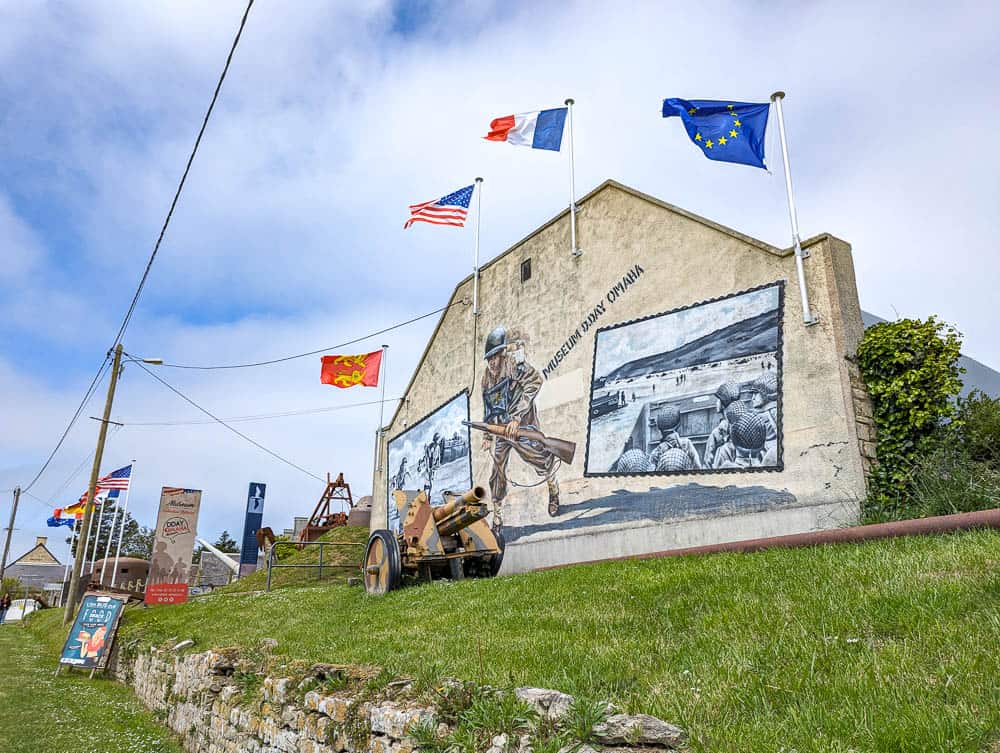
(251, 524)
(89, 642)
(176, 528)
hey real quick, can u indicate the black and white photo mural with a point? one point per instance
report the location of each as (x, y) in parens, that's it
(432, 456)
(694, 390)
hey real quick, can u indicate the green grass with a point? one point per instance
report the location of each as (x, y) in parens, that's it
(888, 646)
(309, 555)
(68, 713)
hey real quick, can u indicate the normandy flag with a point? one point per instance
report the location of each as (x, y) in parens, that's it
(349, 371)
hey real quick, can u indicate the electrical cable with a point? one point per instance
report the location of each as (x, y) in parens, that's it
(73, 420)
(149, 264)
(180, 186)
(261, 416)
(320, 350)
(237, 432)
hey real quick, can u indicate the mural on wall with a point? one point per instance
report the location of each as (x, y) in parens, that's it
(432, 455)
(695, 390)
(510, 425)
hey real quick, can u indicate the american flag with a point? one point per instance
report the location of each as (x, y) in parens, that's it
(448, 210)
(116, 479)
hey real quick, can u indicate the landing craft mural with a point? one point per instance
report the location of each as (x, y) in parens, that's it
(695, 390)
(432, 456)
(510, 386)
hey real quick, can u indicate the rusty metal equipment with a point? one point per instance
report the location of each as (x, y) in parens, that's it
(452, 541)
(322, 518)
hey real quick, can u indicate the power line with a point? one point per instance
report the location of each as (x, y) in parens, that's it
(83, 404)
(180, 186)
(149, 264)
(237, 432)
(318, 351)
(262, 416)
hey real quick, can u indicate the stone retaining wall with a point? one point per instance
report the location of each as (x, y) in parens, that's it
(216, 703)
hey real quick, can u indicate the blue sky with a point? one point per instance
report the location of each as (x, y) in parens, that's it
(336, 116)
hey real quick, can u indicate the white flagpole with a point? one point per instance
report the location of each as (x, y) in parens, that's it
(111, 538)
(381, 410)
(807, 316)
(97, 536)
(90, 527)
(121, 529)
(572, 183)
(475, 278)
(72, 538)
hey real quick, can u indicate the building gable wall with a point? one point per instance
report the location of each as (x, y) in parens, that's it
(642, 260)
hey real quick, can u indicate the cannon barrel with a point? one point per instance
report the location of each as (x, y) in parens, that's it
(461, 512)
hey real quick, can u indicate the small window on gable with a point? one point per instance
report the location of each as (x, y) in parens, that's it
(525, 270)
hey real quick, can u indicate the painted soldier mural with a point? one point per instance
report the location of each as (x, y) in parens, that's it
(510, 386)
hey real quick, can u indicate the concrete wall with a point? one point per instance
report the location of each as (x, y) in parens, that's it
(661, 259)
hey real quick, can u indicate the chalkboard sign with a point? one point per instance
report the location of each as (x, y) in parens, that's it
(89, 642)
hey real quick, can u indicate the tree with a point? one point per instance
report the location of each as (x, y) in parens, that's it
(226, 543)
(137, 541)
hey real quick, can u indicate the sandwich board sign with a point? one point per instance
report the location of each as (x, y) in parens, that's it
(88, 644)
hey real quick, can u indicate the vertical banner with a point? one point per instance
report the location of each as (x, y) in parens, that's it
(251, 524)
(176, 528)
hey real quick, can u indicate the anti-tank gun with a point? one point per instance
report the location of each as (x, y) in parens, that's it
(449, 541)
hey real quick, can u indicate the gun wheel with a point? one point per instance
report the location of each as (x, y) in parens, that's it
(383, 568)
(497, 559)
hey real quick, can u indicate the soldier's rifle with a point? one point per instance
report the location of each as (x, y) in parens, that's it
(561, 448)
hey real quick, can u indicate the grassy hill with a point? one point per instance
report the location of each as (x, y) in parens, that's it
(888, 646)
(344, 557)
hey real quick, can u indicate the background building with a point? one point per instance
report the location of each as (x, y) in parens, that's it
(37, 567)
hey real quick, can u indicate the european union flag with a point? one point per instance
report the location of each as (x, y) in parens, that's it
(725, 131)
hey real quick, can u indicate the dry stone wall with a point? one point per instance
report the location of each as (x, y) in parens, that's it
(215, 705)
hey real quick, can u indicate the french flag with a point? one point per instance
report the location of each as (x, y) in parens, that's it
(539, 130)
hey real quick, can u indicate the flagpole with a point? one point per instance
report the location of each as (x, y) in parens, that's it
(381, 411)
(572, 184)
(121, 529)
(475, 274)
(72, 538)
(807, 316)
(111, 538)
(90, 527)
(97, 536)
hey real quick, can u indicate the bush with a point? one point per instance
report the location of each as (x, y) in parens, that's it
(978, 427)
(912, 373)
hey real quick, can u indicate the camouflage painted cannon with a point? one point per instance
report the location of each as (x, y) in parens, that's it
(450, 541)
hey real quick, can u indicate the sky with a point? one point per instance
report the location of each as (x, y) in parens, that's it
(662, 334)
(336, 116)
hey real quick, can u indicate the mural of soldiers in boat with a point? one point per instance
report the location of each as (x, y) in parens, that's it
(706, 386)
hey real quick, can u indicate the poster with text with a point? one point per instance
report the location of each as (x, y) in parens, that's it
(176, 529)
(432, 456)
(93, 631)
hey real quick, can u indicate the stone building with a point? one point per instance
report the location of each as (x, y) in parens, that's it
(38, 567)
(679, 396)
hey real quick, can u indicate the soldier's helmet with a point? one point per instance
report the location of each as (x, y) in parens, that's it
(734, 410)
(633, 461)
(496, 341)
(766, 385)
(727, 393)
(750, 432)
(668, 418)
(674, 459)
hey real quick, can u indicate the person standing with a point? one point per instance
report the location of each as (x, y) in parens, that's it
(4, 606)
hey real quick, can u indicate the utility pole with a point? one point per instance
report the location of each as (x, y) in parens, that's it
(10, 530)
(75, 576)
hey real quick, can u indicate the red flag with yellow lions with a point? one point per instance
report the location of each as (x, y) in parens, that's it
(350, 371)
